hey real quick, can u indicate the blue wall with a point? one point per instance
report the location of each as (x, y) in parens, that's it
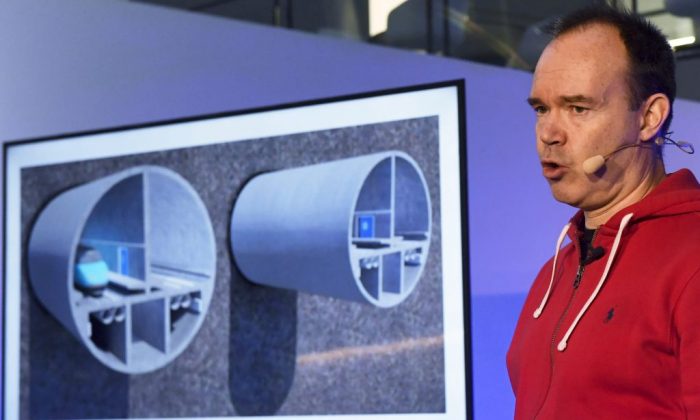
(78, 65)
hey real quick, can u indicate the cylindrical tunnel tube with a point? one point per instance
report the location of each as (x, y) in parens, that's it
(133, 223)
(343, 228)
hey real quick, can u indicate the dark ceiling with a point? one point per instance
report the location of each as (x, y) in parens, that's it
(507, 33)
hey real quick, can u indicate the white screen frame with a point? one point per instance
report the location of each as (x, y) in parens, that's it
(444, 101)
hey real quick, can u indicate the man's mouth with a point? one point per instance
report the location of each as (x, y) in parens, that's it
(552, 170)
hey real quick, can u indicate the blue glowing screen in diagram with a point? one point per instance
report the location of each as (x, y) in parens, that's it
(123, 260)
(365, 226)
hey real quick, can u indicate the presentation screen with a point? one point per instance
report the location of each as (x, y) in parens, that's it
(306, 261)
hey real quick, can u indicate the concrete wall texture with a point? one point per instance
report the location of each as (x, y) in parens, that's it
(78, 65)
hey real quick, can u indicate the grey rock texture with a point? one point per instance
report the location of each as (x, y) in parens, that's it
(260, 350)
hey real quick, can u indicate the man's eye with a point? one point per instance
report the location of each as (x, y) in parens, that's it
(578, 109)
(539, 110)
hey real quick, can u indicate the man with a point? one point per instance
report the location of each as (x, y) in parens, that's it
(611, 326)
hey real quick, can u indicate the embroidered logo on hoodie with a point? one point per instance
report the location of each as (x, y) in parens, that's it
(609, 315)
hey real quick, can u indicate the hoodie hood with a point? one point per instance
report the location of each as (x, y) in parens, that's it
(678, 193)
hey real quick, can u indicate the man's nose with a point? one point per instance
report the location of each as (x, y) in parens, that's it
(550, 131)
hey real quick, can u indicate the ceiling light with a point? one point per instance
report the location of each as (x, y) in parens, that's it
(677, 42)
(379, 11)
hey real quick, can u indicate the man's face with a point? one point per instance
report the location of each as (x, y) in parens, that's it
(580, 95)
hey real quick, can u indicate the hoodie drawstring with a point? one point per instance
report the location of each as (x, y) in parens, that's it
(613, 251)
(562, 235)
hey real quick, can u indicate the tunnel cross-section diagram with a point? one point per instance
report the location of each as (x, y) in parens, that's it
(356, 229)
(127, 264)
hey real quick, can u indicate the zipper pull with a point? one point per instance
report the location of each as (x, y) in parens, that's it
(579, 275)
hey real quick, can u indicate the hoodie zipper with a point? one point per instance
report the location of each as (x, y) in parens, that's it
(577, 282)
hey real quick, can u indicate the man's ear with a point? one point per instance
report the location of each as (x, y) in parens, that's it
(654, 112)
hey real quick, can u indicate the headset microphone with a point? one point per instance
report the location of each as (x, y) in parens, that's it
(594, 163)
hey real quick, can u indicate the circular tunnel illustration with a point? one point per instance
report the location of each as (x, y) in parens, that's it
(127, 264)
(356, 229)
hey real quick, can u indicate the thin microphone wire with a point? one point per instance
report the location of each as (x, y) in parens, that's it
(594, 163)
(684, 146)
(641, 146)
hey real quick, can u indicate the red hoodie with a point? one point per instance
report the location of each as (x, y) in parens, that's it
(631, 350)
